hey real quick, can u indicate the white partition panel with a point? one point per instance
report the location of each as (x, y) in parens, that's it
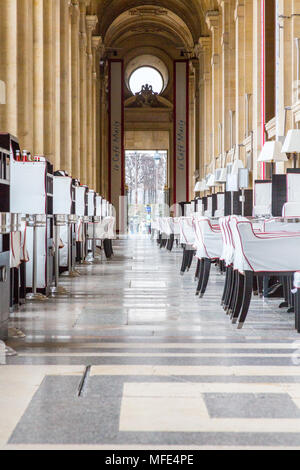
(293, 187)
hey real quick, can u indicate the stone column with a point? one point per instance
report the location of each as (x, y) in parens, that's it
(2, 75)
(8, 24)
(296, 52)
(91, 22)
(205, 43)
(240, 71)
(257, 116)
(49, 74)
(75, 90)
(284, 77)
(104, 134)
(83, 90)
(213, 22)
(284, 85)
(248, 63)
(228, 69)
(198, 116)
(202, 120)
(65, 87)
(38, 77)
(96, 43)
(24, 79)
(57, 84)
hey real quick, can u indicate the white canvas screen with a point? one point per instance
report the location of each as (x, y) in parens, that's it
(293, 187)
(181, 123)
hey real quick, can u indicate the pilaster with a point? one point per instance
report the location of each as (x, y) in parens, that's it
(96, 51)
(239, 17)
(91, 22)
(75, 88)
(213, 23)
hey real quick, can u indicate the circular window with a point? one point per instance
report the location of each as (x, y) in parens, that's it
(146, 76)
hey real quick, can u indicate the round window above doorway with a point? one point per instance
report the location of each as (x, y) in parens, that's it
(146, 76)
(144, 70)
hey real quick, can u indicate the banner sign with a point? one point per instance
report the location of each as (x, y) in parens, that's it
(116, 132)
(181, 131)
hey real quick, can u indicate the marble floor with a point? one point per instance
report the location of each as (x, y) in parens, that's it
(130, 358)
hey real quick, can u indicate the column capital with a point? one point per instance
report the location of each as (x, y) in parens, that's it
(96, 42)
(97, 46)
(91, 22)
(212, 19)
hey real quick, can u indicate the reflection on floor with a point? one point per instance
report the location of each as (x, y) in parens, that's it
(130, 358)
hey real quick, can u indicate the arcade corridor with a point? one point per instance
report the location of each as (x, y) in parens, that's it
(130, 358)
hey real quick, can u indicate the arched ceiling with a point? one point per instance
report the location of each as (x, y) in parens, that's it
(162, 23)
(178, 22)
(190, 11)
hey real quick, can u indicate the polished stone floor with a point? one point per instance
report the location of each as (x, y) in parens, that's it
(131, 358)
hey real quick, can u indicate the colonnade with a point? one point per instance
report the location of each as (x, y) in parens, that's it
(51, 75)
(244, 98)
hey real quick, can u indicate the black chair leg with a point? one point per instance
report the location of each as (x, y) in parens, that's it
(297, 310)
(248, 289)
(225, 287)
(171, 243)
(233, 294)
(260, 283)
(201, 273)
(197, 270)
(107, 250)
(206, 273)
(291, 297)
(228, 288)
(230, 291)
(163, 241)
(285, 303)
(184, 261)
(189, 259)
(239, 297)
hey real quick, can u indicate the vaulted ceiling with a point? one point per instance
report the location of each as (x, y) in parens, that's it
(168, 24)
